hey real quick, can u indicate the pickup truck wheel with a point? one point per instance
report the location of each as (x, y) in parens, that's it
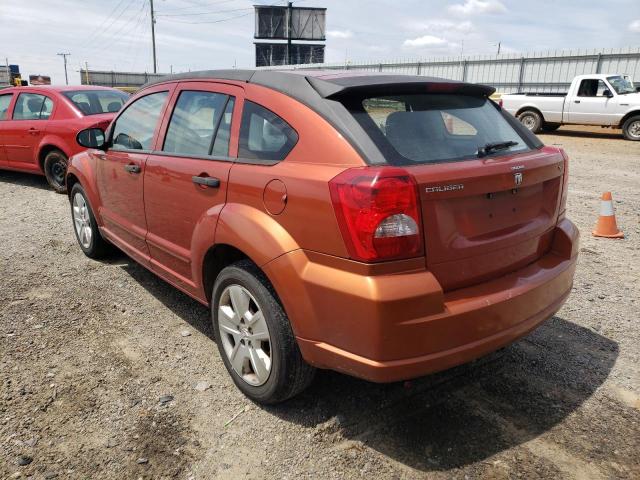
(631, 128)
(85, 225)
(55, 170)
(532, 120)
(254, 336)
(550, 127)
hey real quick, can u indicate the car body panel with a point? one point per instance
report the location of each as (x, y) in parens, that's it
(380, 321)
(24, 142)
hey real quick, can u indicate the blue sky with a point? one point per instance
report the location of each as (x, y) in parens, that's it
(203, 34)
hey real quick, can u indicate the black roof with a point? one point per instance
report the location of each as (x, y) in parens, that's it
(327, 83)
(322, 90)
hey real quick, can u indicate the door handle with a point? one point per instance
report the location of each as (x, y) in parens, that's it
(206, 181)
(576, 101)
(34, 131)
(132, 168)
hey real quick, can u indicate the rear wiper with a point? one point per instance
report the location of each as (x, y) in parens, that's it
(494, 147)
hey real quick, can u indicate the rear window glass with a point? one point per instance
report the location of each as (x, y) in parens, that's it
(433, 128)
(5, 100)
(94, 102)
(264, 135)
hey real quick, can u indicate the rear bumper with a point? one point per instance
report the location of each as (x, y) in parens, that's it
(382, 326)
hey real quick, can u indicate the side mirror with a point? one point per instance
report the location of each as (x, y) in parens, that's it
(607, 93)
(91, 138)
(637, 89)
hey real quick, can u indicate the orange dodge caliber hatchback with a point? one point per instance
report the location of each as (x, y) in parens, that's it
(384, 226)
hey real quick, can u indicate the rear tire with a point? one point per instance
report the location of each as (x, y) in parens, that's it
(550, 127)
(85, 226)
(631, 128)
(256, 342)
(55, 170)
(531, 120)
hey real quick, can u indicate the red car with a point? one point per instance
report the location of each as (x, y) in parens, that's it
(385, 226)
(38, 126)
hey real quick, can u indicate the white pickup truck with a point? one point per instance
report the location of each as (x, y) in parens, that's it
(607, 100)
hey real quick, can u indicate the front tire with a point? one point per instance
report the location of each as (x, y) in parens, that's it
(532, 120)
(631, 128)
(55, 170)
(85, 226)
(254, 336)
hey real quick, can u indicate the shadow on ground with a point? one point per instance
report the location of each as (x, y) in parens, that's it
(24, 179)
(567, 132)
(453, 418)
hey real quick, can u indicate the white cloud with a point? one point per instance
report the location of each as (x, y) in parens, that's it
(635, 26)
(342, 34)
(425, 41)
(439, 26)
(477, 7)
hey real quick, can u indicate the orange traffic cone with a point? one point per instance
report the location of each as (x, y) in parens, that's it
(606, 226)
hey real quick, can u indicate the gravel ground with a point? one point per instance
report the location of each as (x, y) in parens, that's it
(108, 372)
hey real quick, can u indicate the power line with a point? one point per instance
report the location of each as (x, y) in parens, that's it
(102, 32)
(200, 5)
(210, 21)
(204, 13)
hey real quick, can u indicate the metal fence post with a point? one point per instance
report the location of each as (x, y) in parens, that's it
(379, 67)
(418, 68)
(521, 75)
(464, 70)
(599, 63)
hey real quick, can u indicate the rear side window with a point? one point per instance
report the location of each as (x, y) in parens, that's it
(200, 124)
(264, 135)
(5, 100)
(94, 102)
(134, 129)
(432, 128)
(32, 106)
(592, 87)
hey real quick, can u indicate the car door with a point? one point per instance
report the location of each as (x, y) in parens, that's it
(590, 106)
(120, 171)
(185, 182)
(5, 103)
(25, 130)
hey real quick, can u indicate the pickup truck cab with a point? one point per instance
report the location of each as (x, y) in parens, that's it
(38, 126)
(384, 226)
(608, 100)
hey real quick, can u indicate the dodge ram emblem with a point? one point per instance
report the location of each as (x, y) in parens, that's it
(517, 177)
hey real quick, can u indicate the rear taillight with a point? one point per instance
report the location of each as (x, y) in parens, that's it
(378, 213)
(565, 185)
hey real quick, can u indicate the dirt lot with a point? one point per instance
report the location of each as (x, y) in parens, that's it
(89, 350)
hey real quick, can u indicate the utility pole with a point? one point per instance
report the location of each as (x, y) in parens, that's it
(64, 57)
(289, 25)
(153, 37)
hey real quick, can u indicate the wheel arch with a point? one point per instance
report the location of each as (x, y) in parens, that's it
(529, 107)
(47, 148)
(627, 116)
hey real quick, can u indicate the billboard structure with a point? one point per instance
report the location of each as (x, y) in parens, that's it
(289, 23)
(39, 79)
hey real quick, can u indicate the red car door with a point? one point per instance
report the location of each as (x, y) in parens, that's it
(185, 182)
(5, 104)
(24, 131)
(120, 171)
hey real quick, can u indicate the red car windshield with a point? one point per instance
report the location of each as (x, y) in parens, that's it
(94, 102)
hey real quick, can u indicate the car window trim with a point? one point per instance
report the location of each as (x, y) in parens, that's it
(114, 122)
(217, 158)
(15, 104)
(215, 131)
(8, 117)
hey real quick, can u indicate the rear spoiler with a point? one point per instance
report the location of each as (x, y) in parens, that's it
(341, 87)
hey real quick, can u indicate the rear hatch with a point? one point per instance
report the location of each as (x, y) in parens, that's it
(485, 218)
(489, 192)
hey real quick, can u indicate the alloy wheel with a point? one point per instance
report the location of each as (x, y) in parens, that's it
(82, 220)
(245, 335)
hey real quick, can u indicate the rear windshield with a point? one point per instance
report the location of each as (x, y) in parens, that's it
(93, 102)
(433, 128)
